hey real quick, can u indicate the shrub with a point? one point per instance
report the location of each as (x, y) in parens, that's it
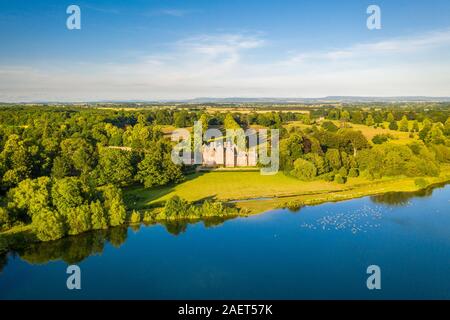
(330, 126)
(175, 207)
(421, 183)
(303, 169)
(48, 225)
(353, 172)
(328, 177)
(339, 179)
(4, 218)
(135, 217)
(381, 138)
(343, 172)
(149, 217)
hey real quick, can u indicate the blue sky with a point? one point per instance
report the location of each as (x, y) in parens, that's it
(149, 50)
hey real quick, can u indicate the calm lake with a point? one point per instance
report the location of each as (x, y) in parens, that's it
(316, 252)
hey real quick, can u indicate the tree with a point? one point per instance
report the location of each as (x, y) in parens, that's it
(30, 196)
(357, 117)
(404, 124)
(330, 126)
(67, 194)
(393, 125)
(427, 125)
(5, 219)
(48, 225)
(447, 127)
(390, 117)
(15, 161)
(415, 127)
(355, 139)
(345, 116)
(115, 166)
(113, 204)
(381, 138)
(304, 170)
(99, 219)
(333, 157)
(435, 136)
(140, 136)
(117, 212)
(78, 219)
(175, 207)
(157, 167)
(369, 121)
(293, 148)
(78, 155)
(204, 119)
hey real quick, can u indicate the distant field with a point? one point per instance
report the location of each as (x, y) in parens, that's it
(369, 132)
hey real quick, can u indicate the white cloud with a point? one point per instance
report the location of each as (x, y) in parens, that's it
(222, 65)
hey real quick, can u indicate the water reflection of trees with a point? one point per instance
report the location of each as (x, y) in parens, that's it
(75, 249)
(180, 226)
(399, 199)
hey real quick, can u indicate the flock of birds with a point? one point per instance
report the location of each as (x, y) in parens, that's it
(360, 220)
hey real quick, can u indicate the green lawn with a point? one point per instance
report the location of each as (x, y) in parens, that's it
(249, 185)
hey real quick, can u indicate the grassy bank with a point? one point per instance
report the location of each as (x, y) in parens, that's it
(275, 190)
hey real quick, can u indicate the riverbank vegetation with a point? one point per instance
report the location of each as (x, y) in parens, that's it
(66, 170)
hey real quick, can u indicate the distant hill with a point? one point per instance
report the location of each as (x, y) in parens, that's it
(238, 100)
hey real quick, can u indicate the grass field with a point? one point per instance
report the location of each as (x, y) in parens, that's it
(276, 190)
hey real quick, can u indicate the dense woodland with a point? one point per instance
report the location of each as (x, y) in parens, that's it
(63, 169)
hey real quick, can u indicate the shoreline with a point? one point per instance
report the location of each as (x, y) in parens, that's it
(22, 236)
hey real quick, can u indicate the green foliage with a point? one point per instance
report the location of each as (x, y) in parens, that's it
(30, 196)
(78, 219)
(113, 204)
(330, 126)
(135, 217)
(99, 219)
(304, 169)
(5, 219)
(393, 160)
(404, 124)
(415, 127)
(442, 153)
(339, 179)
(67, 194)
(333, 156)
(447, 127)
(352, 140)
(421, 183)
(353, 172)
(381, 138)
(157, 167)
(369, 121)
(435, 136)
(427, 125)
(48, 225)
(343, 172)
(175, 207)
(115, 166)
(393, 125)
(390, 117)
(345, 115)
